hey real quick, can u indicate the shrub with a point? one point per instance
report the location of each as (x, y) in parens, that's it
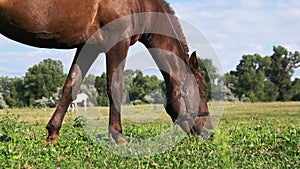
(45, 102)
(9, 125)
(3, 105)
(80, 122)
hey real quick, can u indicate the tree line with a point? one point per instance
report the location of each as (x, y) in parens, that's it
(137, 88)
(256, 78)
(267, 78)
(40, 85)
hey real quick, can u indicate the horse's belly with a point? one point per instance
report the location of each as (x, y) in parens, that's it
(49, 23)
(63, 38)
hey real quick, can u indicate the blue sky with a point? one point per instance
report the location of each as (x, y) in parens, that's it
(234, 28)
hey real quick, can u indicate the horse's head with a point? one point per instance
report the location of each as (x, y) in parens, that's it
(201, 121)
(190, 104)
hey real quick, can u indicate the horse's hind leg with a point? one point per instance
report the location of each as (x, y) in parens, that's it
(84, 104)
(76, 107)
(115, 67)
(81, 63)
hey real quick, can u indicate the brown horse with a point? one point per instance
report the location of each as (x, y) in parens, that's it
(111, 26)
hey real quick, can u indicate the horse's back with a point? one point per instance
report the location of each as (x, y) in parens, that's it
(49, 23)
(70, 23)
(82, 95)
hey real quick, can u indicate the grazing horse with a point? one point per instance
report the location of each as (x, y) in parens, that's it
(80, 98)
(111, 27)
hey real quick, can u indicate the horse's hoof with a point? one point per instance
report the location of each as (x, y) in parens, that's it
(119, 140)
(52, 138)
(122, 141)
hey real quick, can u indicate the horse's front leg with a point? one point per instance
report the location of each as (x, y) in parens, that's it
(73, 107)
(81, 63)
(72, 83)
(115, 68)
(84, 104)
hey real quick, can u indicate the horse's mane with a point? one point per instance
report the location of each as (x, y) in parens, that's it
(176, 25)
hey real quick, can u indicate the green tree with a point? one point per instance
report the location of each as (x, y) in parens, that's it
(89, 80)
(2, 102)
(210, 73)
(295, 90)
(146, 89)
(270, 92)
(13, 91)
(101, 87)
(281, 70)
(127, 84)
(17, 92)
(43, 80)
(5, 89)
(139, 87)
(266, 78)
(249, 79)
(100, 83)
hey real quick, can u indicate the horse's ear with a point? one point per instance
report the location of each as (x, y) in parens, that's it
(193, 62)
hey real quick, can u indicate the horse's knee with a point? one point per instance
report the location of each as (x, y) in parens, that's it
(73, 82)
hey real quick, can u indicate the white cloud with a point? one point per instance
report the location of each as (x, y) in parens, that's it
(291, 47)
(244, 27)
(17, 63)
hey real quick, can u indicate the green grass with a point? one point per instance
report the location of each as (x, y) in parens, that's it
(249, 135)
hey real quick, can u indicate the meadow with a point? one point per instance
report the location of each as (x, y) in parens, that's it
(249, 135)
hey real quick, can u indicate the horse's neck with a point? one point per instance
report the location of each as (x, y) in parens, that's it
(166, 36)
(168, 47)
(163, 30)
(171, 59)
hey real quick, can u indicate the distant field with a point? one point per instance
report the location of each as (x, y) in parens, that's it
(249, 135)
